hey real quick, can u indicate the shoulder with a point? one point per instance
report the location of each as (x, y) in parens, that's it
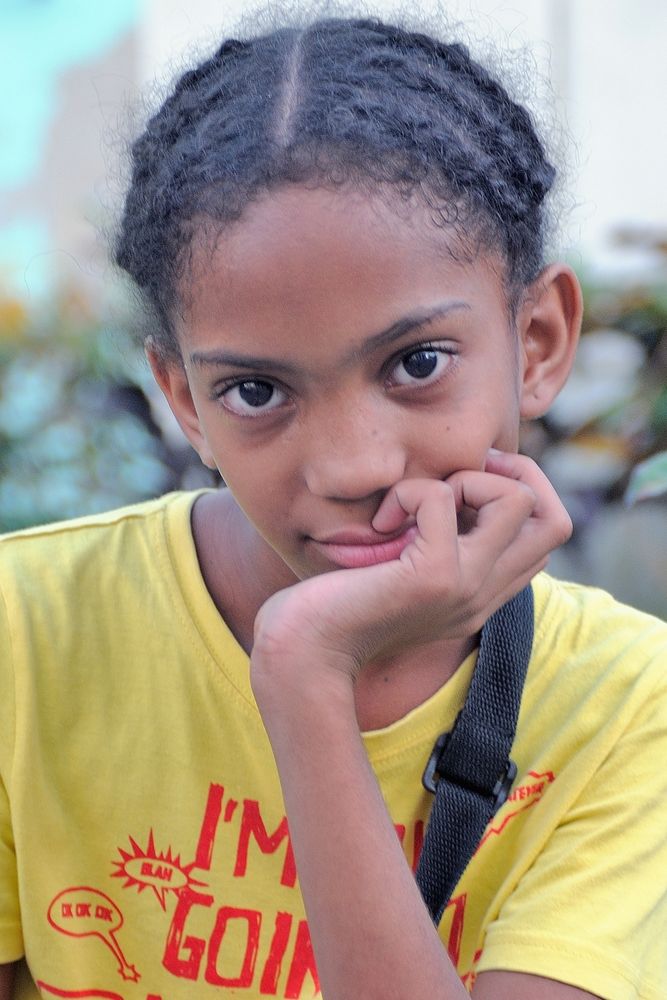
(94, 523)
(50, 573)
(585, 825)
(33, 554)
(71, 592)
(589, 622)
(601, 658)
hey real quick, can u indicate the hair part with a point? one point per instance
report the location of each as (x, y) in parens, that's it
(340, 101)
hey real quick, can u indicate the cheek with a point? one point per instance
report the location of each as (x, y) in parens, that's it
(250, 486)
(260, 487)
(463, 443)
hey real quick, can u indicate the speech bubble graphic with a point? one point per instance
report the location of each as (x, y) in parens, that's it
(85, 912)
(149, 869)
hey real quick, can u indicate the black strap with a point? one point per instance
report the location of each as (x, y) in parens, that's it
(470, 769)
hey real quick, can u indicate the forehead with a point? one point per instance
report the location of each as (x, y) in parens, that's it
(303, 258)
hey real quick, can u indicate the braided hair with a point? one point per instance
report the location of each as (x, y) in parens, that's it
(342, 100)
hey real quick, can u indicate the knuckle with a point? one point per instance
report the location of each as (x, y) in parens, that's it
(444, 490)
(476, 619)
(468, 594)
(430, 588)
(563, 528)
(436, 486)
(529, 463)
(525, 495)
(450, 490)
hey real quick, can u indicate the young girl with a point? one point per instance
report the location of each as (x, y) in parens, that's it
(339, 232)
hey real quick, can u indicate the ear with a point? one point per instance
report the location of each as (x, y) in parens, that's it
(549, 322)
(171, 376)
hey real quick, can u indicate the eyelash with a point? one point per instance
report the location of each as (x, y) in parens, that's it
(443, 350)
(224, 390)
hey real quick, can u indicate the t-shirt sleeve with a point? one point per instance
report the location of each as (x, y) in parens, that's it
(11, 939)
(592, 910)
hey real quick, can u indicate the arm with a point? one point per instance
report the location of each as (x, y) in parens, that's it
(518, 986)
(371, 933)
(7, 981)
(370, 902)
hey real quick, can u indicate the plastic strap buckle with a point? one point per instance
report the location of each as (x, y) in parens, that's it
(503, 785)
(432, 775)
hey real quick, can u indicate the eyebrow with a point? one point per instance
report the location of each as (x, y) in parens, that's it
(413, 321)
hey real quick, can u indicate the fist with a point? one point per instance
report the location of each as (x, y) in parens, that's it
(445, 583)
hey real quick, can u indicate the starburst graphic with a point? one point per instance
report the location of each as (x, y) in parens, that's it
(149, 869)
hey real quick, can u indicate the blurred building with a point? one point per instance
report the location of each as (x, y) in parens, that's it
(82, 427)
(71, 72)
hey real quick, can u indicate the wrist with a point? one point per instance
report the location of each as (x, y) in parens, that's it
(313, 685)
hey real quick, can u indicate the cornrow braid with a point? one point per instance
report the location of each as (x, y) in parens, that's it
(341, 100)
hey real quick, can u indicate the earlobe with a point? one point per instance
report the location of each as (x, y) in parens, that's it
(171, 376)
(549, 324)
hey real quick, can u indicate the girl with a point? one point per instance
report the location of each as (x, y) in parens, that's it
(339, 232)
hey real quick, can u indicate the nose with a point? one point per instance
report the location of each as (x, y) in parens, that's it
(354, 459)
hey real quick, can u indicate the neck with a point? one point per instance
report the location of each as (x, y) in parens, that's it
(241, 572)
(388, 689)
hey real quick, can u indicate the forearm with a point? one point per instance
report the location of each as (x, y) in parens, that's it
(371, 932)
(7, 981)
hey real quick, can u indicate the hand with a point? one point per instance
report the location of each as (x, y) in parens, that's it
(444, 585)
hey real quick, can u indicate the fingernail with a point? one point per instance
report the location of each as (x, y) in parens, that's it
(494, 451)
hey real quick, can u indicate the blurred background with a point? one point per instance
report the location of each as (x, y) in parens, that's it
(81, 427)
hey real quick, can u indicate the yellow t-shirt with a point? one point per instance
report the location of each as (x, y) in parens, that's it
(144, 850)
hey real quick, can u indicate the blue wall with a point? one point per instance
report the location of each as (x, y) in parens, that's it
(40, 40)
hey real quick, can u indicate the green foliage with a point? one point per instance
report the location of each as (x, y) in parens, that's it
(82, 429)
(75, 429)
(648, 479)
(603, 445)
(612, 414)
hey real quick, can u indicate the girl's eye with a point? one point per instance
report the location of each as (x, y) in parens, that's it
(423, 365)
(252, 398)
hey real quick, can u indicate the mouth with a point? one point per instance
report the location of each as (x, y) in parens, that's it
(356, 548)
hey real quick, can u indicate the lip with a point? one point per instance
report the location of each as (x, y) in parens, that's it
(353, 548)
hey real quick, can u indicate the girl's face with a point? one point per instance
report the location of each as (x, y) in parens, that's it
(332, 347)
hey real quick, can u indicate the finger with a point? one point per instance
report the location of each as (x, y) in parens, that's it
(502, 507)
(477, 490)
(548, 510)
(549, 519)
(525, 470)
(514, 564)
(492, 596)
(427, 502)
(509, 542)
(531, 548)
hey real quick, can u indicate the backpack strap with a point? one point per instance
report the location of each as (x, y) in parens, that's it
(470, 769)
